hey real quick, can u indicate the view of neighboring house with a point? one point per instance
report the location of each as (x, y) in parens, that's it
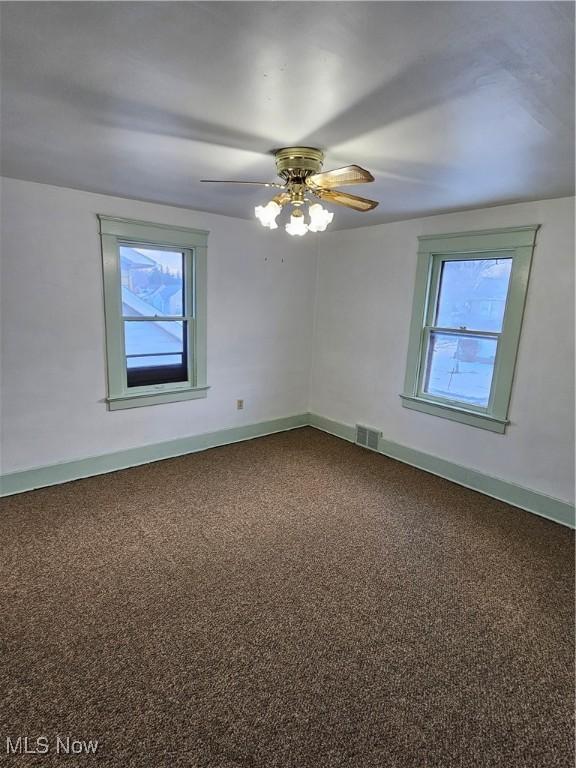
(152, 287)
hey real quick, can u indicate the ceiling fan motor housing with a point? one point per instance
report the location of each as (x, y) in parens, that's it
(295, 164)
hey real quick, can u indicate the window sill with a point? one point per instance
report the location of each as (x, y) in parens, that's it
(445, 411)
(157, 398)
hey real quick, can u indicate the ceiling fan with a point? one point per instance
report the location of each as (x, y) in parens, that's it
(301, 170)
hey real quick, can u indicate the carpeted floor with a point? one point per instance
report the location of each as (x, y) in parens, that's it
(289, 602)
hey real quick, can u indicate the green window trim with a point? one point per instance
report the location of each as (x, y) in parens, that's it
(115, 232)
(516, 243)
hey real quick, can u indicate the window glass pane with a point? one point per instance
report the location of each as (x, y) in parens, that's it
(152, 282)
(153, 361)
(473, 294)
(460, 367)
(155, 351)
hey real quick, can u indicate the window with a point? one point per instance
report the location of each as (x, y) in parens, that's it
(466, 319)
(155, 305)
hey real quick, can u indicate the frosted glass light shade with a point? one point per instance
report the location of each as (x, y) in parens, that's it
(297, 226)
(319, 218)
(267, 214)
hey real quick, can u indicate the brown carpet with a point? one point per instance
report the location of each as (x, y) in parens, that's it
(289, 602)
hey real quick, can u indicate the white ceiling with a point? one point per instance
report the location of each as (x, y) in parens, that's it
(450, 105)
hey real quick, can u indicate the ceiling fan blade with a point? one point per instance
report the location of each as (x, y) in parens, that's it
(350, 174)
(230, 181)
(343, 198)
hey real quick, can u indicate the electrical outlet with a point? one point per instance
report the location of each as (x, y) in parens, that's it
(239, 405)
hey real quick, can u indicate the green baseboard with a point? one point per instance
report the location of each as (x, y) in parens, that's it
(345, 431)
(40, 477)
(532, 501)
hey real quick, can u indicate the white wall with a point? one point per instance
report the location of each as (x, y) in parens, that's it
(363, 308)
(262, 309)
(260, 300)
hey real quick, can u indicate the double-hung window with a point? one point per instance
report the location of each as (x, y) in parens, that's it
(155, 306)
(466, 321)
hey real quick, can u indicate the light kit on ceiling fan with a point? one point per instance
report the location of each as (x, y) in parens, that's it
(301, 170)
